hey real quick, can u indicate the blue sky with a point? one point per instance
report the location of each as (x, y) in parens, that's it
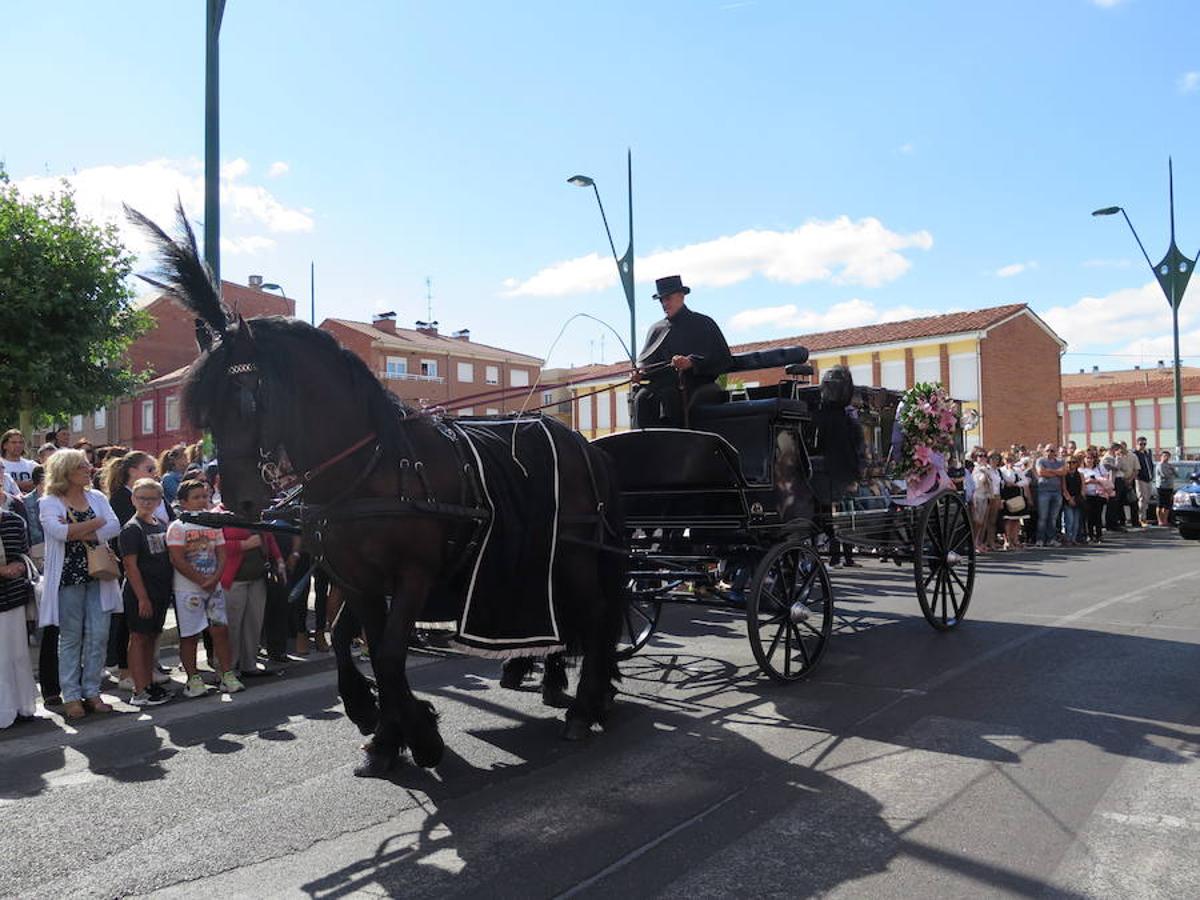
(803, 165)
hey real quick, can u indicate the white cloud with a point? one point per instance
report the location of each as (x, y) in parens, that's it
(277, 169)
(1189, 82)
(250, 244)
(1014, 269)
(1107, 263)
(151, 187)
(840, 251)
(1107, 4)
(1124, 317)
(848, 314)
(906, 149)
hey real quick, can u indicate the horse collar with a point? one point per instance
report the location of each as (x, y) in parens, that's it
(241, 368)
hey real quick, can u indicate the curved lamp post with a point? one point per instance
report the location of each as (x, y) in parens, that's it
(1172, 273)
(624, 263)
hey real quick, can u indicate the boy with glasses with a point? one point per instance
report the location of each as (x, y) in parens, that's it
(147, 592)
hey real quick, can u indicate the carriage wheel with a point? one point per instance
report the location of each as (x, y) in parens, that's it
(789, 615)
(944, 561)
(641, 618)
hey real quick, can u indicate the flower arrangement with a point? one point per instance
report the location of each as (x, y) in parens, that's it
(926, 419)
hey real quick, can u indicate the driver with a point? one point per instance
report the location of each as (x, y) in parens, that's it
(685, 349)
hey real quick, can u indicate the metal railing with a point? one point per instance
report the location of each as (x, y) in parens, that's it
(410, 376)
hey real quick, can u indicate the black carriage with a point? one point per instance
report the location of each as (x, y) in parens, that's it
(731, 510)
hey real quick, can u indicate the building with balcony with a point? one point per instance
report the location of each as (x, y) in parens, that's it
(425, 368)
(1101, 408)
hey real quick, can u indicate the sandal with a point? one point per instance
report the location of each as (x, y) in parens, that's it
(73, 709)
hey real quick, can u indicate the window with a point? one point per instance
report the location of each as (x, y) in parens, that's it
(1099, 417)
(1166, 413)
(466, 411)
(585, 414)
(928, 370)
(466, 372)
(861, 374)
(429, 368)
(1077, 421)
(1122, 417)
(397, 367)
(491, 374)
(77, 423)
(547, 398)
(171, 413)
(623, 409)
(603, 411)
(892, 374)
(147, 417)
(518, 377)
(1144, 412)
(964, 376)
(1191, 413)
(100, 418)
(492, 411)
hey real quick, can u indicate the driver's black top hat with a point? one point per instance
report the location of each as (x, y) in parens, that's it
(672, 284)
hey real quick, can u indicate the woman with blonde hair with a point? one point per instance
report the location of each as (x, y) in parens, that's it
(74, 516)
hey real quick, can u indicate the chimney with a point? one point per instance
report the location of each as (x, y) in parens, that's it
(1137, 368)
(429, 328)
(256, 282)
(1160, 364)
(1095, 368)
(463, 334)
(385, 322)
(1081, 371)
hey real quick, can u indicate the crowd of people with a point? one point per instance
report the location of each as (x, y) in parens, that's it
(1060, 495)
(93, 557)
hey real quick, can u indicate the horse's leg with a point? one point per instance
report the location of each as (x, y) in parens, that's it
(514, 670)
(381, 752)
(554, 682)
(352, 684)
(403, 714)
(598, 623)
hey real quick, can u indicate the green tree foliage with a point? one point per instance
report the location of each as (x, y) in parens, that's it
(66, 310)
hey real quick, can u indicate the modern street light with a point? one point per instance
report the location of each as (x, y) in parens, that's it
(624, 263)
(212, 138)
(1172, 273)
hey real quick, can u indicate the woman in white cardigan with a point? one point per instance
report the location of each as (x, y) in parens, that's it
(74, 516)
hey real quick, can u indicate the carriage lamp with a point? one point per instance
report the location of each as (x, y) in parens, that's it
(1172, 273)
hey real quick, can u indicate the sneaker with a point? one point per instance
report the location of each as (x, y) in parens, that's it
(125, 684)
(157, 691)
(195, 687)
(145, 698)
(230, 683)
(161, 677)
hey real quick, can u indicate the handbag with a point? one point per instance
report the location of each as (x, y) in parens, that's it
(102, 562)
(1013, 497)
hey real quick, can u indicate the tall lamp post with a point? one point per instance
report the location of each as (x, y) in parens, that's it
(212, 138)
(624, 263)
(1172, 273)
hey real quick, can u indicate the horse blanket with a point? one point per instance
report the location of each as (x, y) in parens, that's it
(502, 599)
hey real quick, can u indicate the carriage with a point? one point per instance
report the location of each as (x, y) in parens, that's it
(732, 511)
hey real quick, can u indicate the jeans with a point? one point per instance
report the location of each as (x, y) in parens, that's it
(1049, 503)
(1072, 519)
(82, 640)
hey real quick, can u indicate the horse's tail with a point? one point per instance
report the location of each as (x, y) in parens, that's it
(181, 271)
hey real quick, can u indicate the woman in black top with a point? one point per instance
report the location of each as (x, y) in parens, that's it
(18, 695)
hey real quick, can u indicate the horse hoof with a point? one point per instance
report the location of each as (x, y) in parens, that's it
(557, 699)
(511, 680)
(576, 730)
(428, 757)
(375, 763)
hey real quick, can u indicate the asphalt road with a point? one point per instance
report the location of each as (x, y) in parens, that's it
(1046, 747)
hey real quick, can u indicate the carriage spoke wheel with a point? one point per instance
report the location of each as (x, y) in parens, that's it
(789, 615)
(640, 618)
(944, 561)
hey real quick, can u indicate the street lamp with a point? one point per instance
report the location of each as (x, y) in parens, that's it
(1172, 273)
(624, 263)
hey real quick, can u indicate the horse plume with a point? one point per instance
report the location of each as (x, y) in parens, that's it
(181, 271)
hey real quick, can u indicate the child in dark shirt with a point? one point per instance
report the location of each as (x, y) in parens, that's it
(147, 592)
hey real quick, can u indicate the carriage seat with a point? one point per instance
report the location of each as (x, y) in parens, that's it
(799, 369)
(778, 358)
(771, 408)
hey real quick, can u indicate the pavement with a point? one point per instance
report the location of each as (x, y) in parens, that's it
(1047, 747)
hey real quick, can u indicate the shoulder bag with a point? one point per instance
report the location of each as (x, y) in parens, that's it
(102, 562)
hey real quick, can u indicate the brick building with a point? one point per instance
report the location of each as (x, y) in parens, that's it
(151, 420)
(1003, 361)
(1103, 407)
(424, 367)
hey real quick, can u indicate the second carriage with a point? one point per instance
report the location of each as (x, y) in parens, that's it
(731, 510)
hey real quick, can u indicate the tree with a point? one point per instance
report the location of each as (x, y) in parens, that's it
(66, 310)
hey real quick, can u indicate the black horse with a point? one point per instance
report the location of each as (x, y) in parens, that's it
(394, 515)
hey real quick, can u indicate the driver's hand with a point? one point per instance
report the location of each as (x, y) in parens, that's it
(681, 363)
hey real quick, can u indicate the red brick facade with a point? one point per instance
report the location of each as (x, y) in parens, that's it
(1020, 384)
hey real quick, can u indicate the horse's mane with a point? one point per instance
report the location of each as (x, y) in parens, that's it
(282, 344)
